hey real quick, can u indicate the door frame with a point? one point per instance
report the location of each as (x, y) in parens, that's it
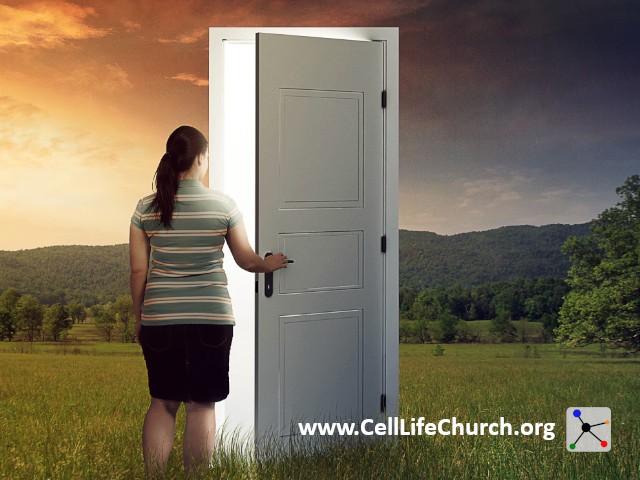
(390, 37)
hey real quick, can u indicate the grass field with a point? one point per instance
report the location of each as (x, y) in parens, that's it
(79, 413)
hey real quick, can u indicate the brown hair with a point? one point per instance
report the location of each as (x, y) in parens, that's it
(183, 146)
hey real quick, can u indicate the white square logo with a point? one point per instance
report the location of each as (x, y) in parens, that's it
(588, 429)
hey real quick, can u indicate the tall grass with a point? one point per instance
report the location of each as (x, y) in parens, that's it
(80, 416)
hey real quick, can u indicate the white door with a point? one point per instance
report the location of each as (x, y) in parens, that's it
(320, 200)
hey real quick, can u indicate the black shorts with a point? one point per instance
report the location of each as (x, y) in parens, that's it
(187, 362)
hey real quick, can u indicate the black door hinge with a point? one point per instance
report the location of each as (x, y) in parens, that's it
(383, 403)
(383, 244)
(384, 99)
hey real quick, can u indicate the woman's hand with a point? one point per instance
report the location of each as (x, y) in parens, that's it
(275, 262)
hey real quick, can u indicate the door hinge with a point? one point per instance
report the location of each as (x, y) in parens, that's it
(384, 99)
(383, 244)
(383, 403)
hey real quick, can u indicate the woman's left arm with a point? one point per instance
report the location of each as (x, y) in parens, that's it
(139, 261)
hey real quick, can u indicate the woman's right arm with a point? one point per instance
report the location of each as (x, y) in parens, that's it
(139, 249)
(244, 255)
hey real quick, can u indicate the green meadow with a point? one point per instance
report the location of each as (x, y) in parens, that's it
(76, 411)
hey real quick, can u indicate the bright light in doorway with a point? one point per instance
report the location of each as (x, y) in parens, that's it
(238, 181)
(239, 128)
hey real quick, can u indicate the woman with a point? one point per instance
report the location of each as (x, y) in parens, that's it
(184, 318)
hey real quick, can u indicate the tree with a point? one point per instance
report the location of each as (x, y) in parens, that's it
(56, 323)
(458, 301)
(481, 307)
(545, 302)
(125, 317)
(8, 322)
(603, 305)
(105, 318)
(509, 298)
(28, 314)
(423, 310)
(465, 334)
(407, 297)
(502, 327)
(447, 327)
(77, 312)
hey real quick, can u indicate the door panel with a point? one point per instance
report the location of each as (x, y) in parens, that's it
(305, 358)
(326, 261)
(321, 155)
(320, 201)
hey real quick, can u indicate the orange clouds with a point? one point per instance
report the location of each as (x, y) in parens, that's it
(103, 78)
(46, 25)
(187, 38)
(189, 77)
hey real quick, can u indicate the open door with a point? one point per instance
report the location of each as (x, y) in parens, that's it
(309, 151)
(321, 200)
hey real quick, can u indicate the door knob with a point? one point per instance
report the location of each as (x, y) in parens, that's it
(268, 278)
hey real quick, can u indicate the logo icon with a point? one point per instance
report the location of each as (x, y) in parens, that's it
(588, 429)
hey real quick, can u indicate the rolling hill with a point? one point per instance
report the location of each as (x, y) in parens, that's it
(61, 274)
(506, 253)
(99, 274)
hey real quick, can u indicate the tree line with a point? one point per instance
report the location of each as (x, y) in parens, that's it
(534, 300)
(24, 317)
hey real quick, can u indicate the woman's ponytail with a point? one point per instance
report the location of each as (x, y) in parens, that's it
(166, 180)
(183, 146)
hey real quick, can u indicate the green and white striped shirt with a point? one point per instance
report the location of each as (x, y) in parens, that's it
(186, 282)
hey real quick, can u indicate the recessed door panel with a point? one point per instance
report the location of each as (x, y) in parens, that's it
(323, 261)
(321, 149)
(317, 346)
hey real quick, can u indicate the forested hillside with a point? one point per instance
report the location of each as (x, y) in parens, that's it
(475, 258)
(62, 274)
(93, 275)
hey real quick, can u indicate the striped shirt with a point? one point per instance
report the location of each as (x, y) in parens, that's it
(186, 282)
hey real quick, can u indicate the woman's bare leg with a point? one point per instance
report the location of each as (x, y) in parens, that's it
(158, 433)
(199, 434)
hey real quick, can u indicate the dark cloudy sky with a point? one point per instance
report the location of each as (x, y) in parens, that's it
(517, 112)
(512, 112)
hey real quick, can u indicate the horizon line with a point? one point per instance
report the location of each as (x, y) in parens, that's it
(399, 229)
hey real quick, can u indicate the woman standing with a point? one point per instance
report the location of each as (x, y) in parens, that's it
(184, 317)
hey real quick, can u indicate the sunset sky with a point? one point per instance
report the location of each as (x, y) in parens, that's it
(524, 112)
